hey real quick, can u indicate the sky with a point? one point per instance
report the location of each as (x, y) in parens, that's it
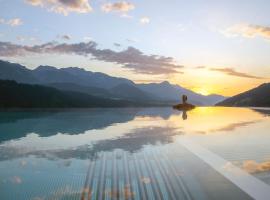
(207, 46)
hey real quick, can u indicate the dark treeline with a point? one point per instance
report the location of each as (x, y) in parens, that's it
(18, 95)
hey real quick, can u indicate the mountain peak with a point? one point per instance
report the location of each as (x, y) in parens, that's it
(75, 69)
(165, 83)
(256, 97)
(45, 68)
(4, 63)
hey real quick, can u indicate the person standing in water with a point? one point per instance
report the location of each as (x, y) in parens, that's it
(184, 99)
(184, 105)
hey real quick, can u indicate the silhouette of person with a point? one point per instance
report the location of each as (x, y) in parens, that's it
(184, 99)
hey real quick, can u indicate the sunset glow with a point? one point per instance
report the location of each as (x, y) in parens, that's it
(207, 46)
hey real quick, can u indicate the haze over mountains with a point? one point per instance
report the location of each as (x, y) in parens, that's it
(100, 85)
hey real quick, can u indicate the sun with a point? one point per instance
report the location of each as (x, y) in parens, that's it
(202, 91)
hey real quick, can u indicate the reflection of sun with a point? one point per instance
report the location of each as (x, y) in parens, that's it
(212, 120)
(203, 110)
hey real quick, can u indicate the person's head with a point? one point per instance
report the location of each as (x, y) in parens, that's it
(184, 98)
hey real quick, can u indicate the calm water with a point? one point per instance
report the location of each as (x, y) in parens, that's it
(154, 153)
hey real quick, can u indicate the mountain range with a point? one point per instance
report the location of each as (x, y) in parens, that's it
(256, 97)
(21, 95)
(100, 85)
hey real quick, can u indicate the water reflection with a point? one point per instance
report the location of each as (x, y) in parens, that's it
(128, 153)
(19, 124)
(84, 133)
(252, 166)
(184, 115)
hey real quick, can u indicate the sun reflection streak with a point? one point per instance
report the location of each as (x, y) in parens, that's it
(205, 120)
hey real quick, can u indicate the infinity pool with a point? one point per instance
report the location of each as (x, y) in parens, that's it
(135, 153)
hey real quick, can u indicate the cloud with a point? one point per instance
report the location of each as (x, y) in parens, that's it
(15, 22)
(130, 58)
(145, 20)
(20, 38)
(122, 6)
(200, 67)
(181, 27)
(117, 44)
(64, 37)
(11, 22)
(133, 40)
(63, 6)
(232, 72)
(26, 38)
(248, 31)
(87, 38)
(125, 15)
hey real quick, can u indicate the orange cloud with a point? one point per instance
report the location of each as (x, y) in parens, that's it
(63, 6)
(248, 31)
(122, 6)
(232, 72)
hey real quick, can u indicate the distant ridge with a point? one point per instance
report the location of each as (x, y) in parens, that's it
(169, 92)
(102, 85)
(257, 97)
(20, 95)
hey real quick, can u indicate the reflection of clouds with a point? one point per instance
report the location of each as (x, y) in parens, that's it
(252, 166)
(127, 143)
(38, 198)
(138, 138)
(47, 124)
(65, 192)
(230, 167)
(16, 180)
(65, 163)
(115, 194)
(86, 191)
(131, 141)
(145, 180)
(23, 163)
(128, 192)
(227, 128)
(233, 126)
